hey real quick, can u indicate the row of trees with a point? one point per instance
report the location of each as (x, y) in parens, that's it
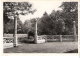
(23, 28)
(61, 21)
(58, 22)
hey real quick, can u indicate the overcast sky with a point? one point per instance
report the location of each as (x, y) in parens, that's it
(41, 7)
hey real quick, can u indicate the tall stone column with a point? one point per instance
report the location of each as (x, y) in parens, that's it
(60, 38)
(74, 27)
(36, 31)
(15, 42)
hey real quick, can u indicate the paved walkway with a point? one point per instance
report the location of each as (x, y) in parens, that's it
(52, 47)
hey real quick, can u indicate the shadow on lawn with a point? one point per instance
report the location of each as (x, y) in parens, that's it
(72, 51)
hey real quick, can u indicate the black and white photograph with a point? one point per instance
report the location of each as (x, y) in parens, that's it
(40, 27)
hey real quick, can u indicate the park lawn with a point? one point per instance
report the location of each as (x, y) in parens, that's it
(49, 47)
(72, 51)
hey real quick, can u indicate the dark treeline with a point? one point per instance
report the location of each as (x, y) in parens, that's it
(56, 23)
(61, 21)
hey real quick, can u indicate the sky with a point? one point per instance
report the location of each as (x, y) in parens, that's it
(41, 7)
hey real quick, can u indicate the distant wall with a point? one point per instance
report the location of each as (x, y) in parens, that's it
(8, 38)
(18, 35)
(58, 38)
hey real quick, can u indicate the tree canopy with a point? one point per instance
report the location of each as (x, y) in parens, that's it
(60, 21)
(70, 14)
(11, 9)
(56, 23)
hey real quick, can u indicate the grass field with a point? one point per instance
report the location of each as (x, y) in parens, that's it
(50, 47)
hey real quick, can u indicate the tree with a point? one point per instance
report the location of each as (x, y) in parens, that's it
(11, 9)
(70, 14)
(58, 22)
(14, 9)
(20, 26)
(9, 27)
(46, 25)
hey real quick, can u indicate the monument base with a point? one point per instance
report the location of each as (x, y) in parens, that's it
(40, 40)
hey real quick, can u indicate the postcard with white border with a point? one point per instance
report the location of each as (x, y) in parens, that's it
(40, 26)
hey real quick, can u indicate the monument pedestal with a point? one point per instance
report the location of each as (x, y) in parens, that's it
(40, 40)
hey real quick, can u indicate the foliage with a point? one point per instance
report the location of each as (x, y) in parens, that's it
(9, 27)
(11, 9)
(56, 23)
(59, 22)
(29, 25)
(70, 14)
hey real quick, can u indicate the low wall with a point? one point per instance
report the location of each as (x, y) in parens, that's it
(18, 35)
(57, 38)
(8, 38)
(48, 38)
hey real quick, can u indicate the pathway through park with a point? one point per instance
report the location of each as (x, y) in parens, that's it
(49, 47)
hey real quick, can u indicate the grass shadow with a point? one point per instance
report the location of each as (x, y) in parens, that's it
(72, 51)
